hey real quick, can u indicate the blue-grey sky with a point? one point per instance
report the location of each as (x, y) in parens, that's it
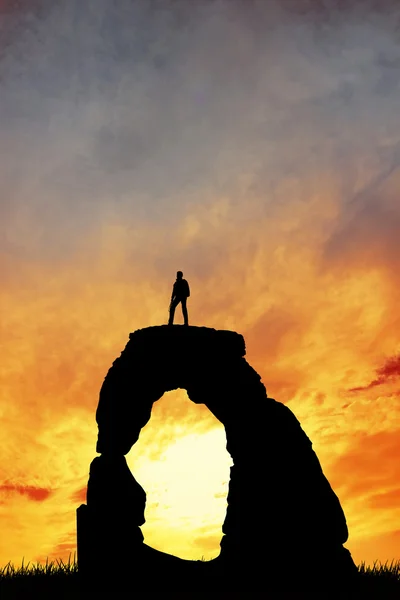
(136, 111)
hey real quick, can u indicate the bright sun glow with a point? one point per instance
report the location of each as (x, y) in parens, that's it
(186, 485)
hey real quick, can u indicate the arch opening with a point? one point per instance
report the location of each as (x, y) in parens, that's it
(181, 460)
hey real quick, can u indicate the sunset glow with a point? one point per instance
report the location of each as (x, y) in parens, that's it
(266, 167)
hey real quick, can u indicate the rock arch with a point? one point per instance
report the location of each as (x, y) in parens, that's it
(281, 508)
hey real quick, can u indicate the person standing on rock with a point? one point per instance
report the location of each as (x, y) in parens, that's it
(180, 293)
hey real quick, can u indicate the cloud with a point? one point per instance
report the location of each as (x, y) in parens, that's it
(208, 542)
(366, 232)
(387, 373)
(368, 470)
(37, 494)
(79, 495)
(390, 499)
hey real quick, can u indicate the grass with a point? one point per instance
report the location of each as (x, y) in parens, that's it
(56, 579)
(381, 580)
(52, 569)
(60, 581)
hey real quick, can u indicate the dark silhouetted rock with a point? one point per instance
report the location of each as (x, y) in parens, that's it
(282, 514)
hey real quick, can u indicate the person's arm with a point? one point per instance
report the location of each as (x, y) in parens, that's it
(188, 289)
(173, 292)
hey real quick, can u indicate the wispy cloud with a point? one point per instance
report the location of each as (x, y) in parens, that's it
(37, 494)
(387, 373)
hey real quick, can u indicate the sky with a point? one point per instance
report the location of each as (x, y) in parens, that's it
(256, 147)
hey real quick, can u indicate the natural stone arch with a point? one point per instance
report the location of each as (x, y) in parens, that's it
(160, 359)
(279, 498)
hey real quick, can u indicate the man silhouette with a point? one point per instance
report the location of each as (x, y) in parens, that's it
(180, 293)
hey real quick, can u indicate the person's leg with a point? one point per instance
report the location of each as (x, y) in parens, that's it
(173, 305)
(184, 312)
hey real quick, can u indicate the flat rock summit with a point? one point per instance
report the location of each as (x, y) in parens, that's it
(284, 524)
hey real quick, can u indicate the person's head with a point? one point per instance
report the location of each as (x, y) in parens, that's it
(179, 275)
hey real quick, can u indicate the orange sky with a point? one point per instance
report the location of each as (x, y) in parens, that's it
(268, 173)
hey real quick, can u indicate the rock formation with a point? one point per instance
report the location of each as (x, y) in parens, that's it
(282, 514)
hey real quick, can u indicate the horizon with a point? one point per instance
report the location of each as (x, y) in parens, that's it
(140, 140)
